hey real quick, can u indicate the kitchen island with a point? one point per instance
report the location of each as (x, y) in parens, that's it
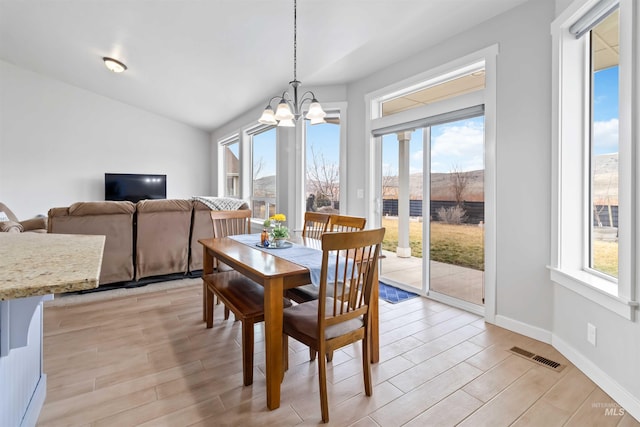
(33, 267)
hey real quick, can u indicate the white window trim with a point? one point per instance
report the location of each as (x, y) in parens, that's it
(222, 179)
(570, 195)
(334, 107)
(373, 150)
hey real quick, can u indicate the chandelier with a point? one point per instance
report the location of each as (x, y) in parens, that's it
(290, 107)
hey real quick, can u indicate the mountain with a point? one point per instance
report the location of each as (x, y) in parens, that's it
(442, 186)
(605, 180)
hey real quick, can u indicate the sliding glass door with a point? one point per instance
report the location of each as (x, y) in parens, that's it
(432, 192)
(402, 202)
(456, 208)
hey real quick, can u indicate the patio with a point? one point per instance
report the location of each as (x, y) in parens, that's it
(458, 282)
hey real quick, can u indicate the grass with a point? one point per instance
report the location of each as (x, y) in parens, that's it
(605, 257)
(390, 241)
(461, 245)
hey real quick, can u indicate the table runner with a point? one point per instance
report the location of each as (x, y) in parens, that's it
(305, 256)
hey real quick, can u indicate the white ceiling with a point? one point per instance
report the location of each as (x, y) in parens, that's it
(203, 62)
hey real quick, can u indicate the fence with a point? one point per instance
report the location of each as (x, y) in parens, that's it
(607, 219)
(608, 214)
(474, 210)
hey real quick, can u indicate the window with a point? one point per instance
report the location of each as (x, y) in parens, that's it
(593, 157)
(604, 171)
(263, 181)
(231, 168)
(322, 171)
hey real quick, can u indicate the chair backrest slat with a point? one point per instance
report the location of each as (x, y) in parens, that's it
(315, 224)
(346, 223)
(349, 265)
(229, 223)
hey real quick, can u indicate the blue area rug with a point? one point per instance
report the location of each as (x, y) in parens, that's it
(394, 295)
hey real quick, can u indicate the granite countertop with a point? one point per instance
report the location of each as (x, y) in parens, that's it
(34, 264)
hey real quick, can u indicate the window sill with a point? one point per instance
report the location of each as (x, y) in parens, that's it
(595, 289)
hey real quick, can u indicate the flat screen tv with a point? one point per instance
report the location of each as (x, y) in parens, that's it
(134, 187)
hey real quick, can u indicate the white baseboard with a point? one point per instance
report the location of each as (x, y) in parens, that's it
(524, 329)
(618, 393)
(628, 401)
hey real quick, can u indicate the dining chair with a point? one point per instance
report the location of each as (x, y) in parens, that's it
(346, 223)
(337, 223)
(306, 293)
(238, 293)
(315, 224)
(225, 223)
(349, 263)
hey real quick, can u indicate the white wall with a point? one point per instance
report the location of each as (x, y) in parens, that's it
(562, 5)
(526, 299)
(523, 145)
(57, 141)
(614, 363)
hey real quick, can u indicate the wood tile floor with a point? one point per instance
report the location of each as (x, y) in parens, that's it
(148, 359)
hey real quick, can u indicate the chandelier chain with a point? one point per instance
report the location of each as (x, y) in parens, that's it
(290, 107)
(295, 40)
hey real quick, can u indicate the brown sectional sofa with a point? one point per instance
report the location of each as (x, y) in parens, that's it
(112, 219)
(162, 239)
(149, 239)
(202, 227)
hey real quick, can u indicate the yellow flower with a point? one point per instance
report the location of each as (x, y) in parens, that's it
(278, 218)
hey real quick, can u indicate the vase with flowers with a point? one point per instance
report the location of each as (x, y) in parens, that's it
(278, 231)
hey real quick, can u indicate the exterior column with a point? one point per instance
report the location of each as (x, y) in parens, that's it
(403, 250)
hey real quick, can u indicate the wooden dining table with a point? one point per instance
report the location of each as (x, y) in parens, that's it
(275, 274)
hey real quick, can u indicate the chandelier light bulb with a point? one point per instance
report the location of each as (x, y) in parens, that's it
(315, 111)
(287, 123)
(317, 121)
(283, 112)
(268, 117)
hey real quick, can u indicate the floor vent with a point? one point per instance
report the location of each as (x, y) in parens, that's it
(538, 359)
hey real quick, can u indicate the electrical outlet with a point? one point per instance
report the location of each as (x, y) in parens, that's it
(591, 334)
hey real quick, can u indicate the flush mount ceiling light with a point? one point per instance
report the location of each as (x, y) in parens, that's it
(289, 108)
(114, 65)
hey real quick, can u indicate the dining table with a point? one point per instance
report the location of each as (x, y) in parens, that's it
(270, 268)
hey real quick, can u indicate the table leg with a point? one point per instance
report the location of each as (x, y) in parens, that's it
(375, 321)
(273, 294)
(207, 268)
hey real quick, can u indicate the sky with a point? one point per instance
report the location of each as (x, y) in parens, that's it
(605, 111)
(325, 139)
(264, 152)
(457, 145)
